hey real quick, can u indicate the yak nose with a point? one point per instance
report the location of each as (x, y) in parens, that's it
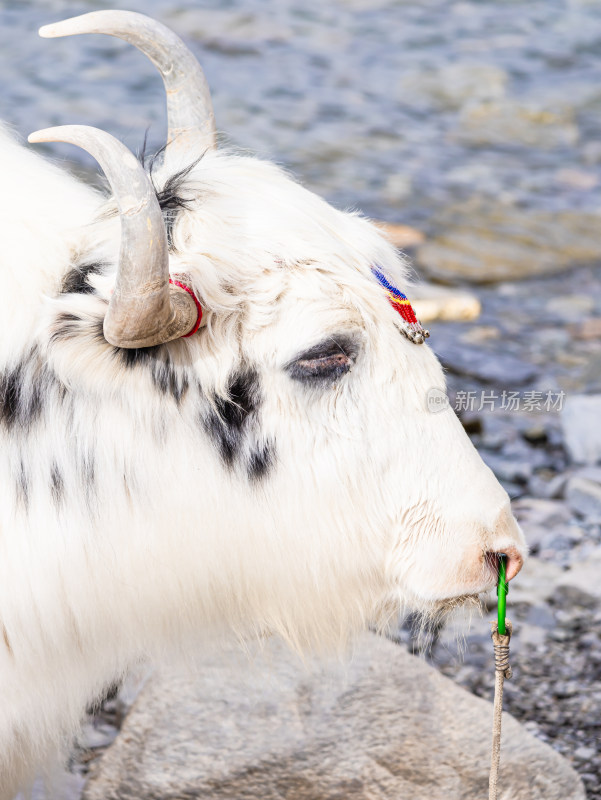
(515, 560)
(508, 539)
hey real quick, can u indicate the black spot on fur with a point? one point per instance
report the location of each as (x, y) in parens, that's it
(76, 280)
(166, 377)
(57, 484)
(243, 399)
(21, 391)
(65, 326)
(260, 462)
(170, 381)
(10, 394)
(228, 426)
(137, 356)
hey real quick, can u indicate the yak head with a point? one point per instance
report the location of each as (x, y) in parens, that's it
(288, 468)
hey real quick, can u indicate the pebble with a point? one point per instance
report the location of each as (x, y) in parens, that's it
(584, 497)
(580, 421)
(548, 489)
(541, 617)
(589, 329)
(507, 469)
(454, 85)
(544, 513)
(507, 121)
(584, 753)
(585, 575)
(440, 303)
(571, 307)
(590, 474)
(401, 236)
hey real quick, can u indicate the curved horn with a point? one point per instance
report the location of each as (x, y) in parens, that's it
(190, 118)
(145, 309)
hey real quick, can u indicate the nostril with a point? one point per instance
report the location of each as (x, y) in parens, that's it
(515, 561)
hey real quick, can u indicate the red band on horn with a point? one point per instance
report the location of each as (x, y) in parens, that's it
(183, 286)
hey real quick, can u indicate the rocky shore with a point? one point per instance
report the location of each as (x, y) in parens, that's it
(525, 378)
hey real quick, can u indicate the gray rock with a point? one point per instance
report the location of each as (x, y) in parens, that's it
(585, 753)
(590, 474)
(545, 513)
(548, 489)
(570, 307)
(538, 581)
(580, 419)
(486, 242)
(502, 122)
(401, 236)
(507, 469)
(584, 497)
(546, 525)
(574, 598)
(584, 575)
(475, 362)
(451, 86)
(437, 302)
(384, 726)
(540, 617)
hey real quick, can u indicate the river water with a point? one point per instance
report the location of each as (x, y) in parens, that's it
(397, 108)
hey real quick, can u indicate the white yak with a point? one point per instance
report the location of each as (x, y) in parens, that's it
(245, 449)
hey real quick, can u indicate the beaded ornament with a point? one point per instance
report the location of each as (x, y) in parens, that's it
(410, 325)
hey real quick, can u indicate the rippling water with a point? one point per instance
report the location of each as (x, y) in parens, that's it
(394, 107)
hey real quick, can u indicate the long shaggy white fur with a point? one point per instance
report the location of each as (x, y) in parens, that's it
(151, 498)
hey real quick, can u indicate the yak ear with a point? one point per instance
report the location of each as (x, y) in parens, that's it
(145, 308)
(190, 117)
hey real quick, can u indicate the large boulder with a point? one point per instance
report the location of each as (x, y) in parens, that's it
(383, 726)
(485, 242)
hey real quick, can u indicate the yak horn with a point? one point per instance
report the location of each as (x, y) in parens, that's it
(145, 309)
(190, 118)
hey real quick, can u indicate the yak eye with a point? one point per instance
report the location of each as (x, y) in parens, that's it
(324, 363)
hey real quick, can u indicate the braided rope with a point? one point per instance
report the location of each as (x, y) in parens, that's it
(502, 671)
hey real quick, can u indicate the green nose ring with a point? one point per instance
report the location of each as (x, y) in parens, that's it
(502, 594)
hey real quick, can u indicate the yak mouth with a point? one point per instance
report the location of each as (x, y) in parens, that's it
(442, 608)
(425, 619)
(427, 622)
